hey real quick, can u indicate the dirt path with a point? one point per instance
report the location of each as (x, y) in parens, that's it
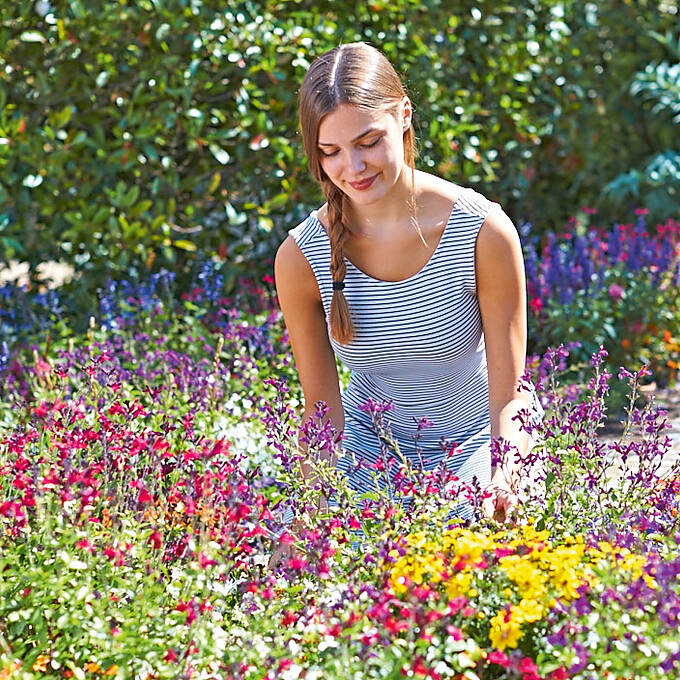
(669, 400)
(52, 274)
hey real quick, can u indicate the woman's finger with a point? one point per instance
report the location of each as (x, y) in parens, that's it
(508, 503)
(281, 551)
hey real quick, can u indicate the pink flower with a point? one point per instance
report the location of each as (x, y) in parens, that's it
(297, 563)
(116, 408)
(536, 305)
(156, 540)
(190, 608)
(455, 633)
(205, 561)
(41, 410)
(615, 291)
(528, 668)
(499, 658)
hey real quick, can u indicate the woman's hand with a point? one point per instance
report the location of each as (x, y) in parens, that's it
(284, 546)
(282, 551)
(501, 503)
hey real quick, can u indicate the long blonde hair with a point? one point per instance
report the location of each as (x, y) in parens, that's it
(360, 75)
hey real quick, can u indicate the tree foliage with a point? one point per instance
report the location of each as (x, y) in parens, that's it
(139, 133)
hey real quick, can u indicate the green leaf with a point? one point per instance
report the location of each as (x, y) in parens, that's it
(183, 244)
(278, 201)
(64, 116)
(102, 213)
(131, 196)
(610, 330)
(549, 479)
(140, 208)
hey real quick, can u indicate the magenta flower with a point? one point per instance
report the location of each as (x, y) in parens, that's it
(498, 657)
(536, 305)
(615, 291)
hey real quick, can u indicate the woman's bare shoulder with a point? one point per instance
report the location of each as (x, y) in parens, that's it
(437, 194)
(434, 187)
(321, 214)
(293, 271)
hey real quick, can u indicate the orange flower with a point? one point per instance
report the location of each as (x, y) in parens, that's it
(93, 667)
(8, 671)
(625, 343)
(112, 670)
(40, 664)
(667, 337)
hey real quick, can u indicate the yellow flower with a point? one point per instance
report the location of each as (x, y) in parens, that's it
(529, 579)
(527, 611)
(633, 563)
(459, 584)
(567, 584)
(650, 581)
(505, 631)
(415, 568)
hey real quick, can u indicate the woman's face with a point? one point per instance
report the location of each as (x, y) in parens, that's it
(362, 152)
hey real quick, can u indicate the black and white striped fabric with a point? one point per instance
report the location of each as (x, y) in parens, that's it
(419, 345)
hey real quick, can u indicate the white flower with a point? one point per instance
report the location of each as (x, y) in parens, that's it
(292, 672)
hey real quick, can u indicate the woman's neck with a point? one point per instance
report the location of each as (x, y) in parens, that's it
(393, 210)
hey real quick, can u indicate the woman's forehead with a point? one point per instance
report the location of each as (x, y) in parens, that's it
(346, 122)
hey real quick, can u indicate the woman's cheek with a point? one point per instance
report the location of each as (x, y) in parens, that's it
(327, 166)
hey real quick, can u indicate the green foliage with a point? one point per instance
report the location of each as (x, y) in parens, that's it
(658, 184)
(135, 134)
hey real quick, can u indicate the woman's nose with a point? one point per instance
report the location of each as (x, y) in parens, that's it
(357, 163)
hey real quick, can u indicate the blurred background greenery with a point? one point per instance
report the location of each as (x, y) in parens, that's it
(156, 133)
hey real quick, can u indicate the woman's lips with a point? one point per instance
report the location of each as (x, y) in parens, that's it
(364, 184)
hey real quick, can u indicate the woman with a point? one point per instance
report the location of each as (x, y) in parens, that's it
(416, 284)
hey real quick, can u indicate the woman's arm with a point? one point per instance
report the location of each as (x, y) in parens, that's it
(501, 290)
(303, 313)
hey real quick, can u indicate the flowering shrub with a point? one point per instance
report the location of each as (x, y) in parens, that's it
(615, 287)
(146, 465)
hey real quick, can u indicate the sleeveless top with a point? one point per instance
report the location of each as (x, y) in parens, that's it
(419, 345)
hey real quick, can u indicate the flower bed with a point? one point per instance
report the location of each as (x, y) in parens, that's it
(145, 465)
(617, 287)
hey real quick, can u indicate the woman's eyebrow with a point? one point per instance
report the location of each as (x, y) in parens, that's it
(363, 134)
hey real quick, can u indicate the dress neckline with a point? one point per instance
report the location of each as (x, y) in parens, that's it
(421, 270)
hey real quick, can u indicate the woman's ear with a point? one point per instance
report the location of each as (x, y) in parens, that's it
(406, 113)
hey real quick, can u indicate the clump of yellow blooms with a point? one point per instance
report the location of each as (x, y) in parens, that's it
(537, 571)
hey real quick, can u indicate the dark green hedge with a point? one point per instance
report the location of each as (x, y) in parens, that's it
(149, 131)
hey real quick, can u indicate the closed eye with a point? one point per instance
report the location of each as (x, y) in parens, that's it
(373, 143)
(363, 146)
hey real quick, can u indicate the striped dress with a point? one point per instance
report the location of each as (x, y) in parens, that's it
(419, 345)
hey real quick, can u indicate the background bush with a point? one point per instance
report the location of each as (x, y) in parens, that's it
(136, 134)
